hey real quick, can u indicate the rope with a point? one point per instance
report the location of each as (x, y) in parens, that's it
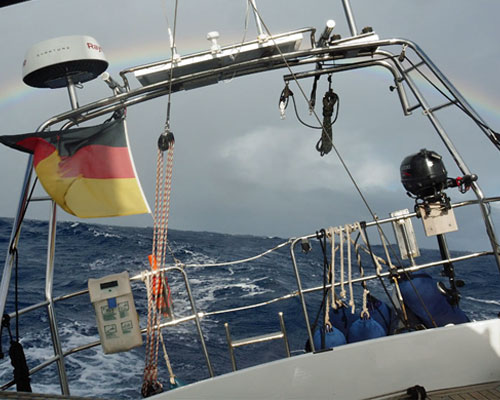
(331, 232)
(157, 291)
(324, 145)
(313, 112)
(347, 229)
(386, 250)
(159, 172)
(401, 314)
(365, 313)
(167, 360)
(344, 165)
(321, 236)
(357, 246)
(341, 255)
(150, 384)
(340, 158)
(364, 308)
(241, 261)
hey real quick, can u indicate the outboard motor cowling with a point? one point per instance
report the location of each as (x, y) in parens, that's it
(424, 174)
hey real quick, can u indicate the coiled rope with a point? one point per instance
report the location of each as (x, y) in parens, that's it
(157, 290)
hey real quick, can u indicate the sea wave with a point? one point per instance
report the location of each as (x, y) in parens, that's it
(86, 250)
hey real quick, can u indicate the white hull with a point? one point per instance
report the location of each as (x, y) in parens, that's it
(439, 358)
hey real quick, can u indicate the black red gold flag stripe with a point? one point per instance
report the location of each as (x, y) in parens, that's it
(88, 171)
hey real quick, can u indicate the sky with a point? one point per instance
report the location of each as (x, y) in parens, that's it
(238, 167)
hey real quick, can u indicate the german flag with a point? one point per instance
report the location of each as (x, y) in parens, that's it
(88, 171)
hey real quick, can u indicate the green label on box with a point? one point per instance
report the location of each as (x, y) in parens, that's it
(108, 314)
(123, 309)
(127, 327)
(110, 331)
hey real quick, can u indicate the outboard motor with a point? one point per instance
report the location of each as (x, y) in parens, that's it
(425, 178)
(424, 175)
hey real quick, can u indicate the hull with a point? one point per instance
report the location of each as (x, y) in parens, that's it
(440, 358)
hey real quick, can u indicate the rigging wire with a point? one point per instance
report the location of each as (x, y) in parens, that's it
(22, 215)
(14, 252)
(245, 31)
(334, 147)
(382, 233)
(172, 48)
(314, 113)
(346, 168)
(496, 136)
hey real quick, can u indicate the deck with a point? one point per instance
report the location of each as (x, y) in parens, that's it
(487, 391)
(39, 396)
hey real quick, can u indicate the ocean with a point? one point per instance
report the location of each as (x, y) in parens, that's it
(91, 251)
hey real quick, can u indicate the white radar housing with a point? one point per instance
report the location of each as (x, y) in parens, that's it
(48, 64)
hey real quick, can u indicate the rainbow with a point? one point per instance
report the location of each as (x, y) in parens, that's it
(15, 91)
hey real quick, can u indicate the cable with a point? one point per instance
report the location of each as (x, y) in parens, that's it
(344, 165)
(172, 50)
(339, 156)
(13, 251)
(285, 95)
(22, 215)
(16, 291)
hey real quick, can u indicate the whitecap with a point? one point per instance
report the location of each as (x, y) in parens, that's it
(97, 264)
(484, 301)
(97, 233)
